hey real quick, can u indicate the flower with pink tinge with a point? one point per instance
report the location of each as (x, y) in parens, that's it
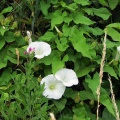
(40, 49)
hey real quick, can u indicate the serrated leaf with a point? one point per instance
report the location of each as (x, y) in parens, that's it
(102, 12)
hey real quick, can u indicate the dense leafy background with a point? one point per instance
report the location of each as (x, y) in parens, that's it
(78, 46)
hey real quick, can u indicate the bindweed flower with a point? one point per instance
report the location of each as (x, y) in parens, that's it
(67, 77)
(117, 54)
(53, 88)
(40, 49)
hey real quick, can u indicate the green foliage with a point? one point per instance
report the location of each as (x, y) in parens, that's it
(77, 45)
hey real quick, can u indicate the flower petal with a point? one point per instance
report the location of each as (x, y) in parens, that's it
(67, 76)
(40, 49)
(58, 88)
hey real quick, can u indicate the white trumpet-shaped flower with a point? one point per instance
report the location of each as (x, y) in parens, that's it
(117, 54)
(67, 76)
(53, 88)
(40, 49)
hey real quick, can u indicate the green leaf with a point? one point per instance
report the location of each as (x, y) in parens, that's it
(3, 62)
(115, 25)
(44, 7)
(65, 58)
(94, 30)
(9, 37)
(47, 36)
(8, 9)
(20, 40)
(84, 71)
(82, 2)
(111, 44)
(79, 18)
(103, 2)
(113, 3)
(56, 20)
(5, 77)
(80, 113)
(106, 115)
(67, 19)
(66, 30)
(56, 65)
(111, 71)
(79, 43)
(60, 104)
(3, 30)
(85, 95)
(114, 34)
(54, 1)
(104, 98)
(2, 43)
(62, 44)
(5, 96)
(102, 12)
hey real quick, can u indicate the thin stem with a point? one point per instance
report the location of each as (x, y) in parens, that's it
(101, 74)
(113, 98)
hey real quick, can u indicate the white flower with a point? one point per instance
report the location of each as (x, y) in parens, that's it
(67, 76)
(117, 54)
(40, 49)
(53, 88)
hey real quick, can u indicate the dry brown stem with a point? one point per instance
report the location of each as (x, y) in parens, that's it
(101, 74)
(113, 99)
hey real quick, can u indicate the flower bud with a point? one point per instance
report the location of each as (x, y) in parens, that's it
(60, 34)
